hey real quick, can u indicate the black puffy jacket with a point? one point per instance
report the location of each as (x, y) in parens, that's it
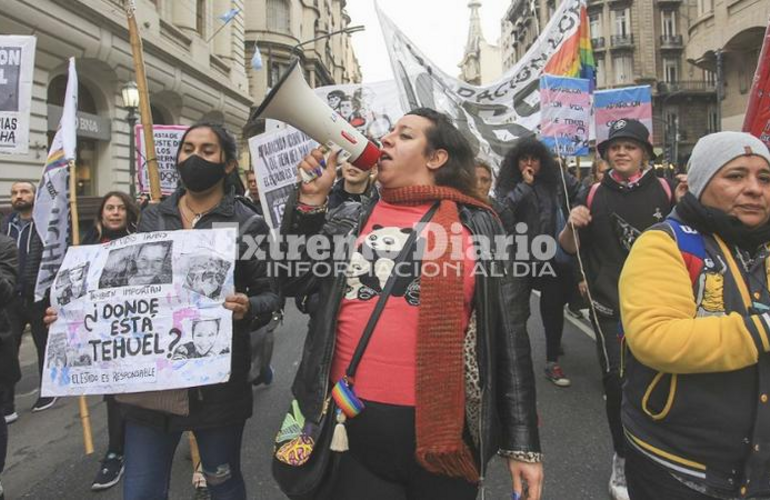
(9, 363)
(228, 403)
(508, 417)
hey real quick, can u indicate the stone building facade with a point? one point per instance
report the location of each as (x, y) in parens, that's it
(198, 68)
(481, 62)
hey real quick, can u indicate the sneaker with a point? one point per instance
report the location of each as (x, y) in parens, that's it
(266, 377)
(43, 404)
(11, 418)
(110, 473)
(618, 489)
(554, 373)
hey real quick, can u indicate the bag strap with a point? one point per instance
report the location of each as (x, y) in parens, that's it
(367, 335)
(691, 246)
(591, 194)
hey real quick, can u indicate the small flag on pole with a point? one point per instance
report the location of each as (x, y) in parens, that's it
(229, 15)
(256, 59)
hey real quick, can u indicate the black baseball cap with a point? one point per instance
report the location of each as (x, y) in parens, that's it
(628, 128)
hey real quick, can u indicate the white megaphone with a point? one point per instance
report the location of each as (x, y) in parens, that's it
(293, 101)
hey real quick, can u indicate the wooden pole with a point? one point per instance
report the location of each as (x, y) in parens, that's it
(144, 100)
(85, 417)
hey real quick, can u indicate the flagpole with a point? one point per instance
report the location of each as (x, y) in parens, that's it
(85, 417)
(144, 100)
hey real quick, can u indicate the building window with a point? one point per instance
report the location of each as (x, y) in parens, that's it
(278, 17)
(276, 72)
(595, 24)
(670, 70)
(669, 22)
(709, 77)
(200, 17)
(705, 7)
(622, 22)
(713, 125)
(601, 75)
(624, 69)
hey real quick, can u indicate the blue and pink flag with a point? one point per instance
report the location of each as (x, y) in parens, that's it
(565, 114)
(628, 102)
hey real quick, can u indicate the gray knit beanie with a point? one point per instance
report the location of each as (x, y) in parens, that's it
(713, 151)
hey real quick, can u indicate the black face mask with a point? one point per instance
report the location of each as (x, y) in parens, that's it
(199, 174)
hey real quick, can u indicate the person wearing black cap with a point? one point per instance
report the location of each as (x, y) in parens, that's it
(608, 219)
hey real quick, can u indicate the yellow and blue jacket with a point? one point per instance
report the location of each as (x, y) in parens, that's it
(696, 396)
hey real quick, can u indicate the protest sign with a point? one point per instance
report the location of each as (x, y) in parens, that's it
(274, 159)
(167, 139)
(628, 102)
(17, 66)
(142, 313)
(372, 108)
(565, 114)
(757, 120)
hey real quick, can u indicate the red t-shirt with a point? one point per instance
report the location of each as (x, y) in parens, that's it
(386, 373)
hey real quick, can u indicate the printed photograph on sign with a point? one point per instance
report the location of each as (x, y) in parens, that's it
(204, 343)
(71, 283)
(145, 264)
(206, 275)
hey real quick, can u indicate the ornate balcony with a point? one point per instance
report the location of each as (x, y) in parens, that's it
(671, 42)
(622, 41)
(598, 43)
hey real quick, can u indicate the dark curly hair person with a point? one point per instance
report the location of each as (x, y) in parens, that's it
(530, 188)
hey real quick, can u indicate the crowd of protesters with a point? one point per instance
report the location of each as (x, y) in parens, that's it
(673, 272)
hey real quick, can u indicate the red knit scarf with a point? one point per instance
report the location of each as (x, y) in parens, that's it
(440, 380)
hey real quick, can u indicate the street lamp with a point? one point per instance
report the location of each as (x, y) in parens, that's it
(130, 93)
(349, 30)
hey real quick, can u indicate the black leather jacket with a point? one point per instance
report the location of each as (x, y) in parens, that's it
(508, 416)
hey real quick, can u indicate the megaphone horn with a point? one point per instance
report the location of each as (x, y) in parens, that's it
(293, 101)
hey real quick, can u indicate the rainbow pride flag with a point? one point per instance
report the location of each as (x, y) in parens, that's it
(575, 58)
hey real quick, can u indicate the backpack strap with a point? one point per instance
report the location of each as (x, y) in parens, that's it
(591, 194)
(691, 246)
(666, 188)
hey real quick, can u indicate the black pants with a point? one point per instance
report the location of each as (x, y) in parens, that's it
(555, 292)
(648, 481)
(116, 426)
(381, 463)
(23, 312)
(608, 349)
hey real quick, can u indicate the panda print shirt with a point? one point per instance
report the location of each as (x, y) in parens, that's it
(387, 370)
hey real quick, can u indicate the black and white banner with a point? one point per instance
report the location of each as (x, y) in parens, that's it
(17, 65)
(490, 116)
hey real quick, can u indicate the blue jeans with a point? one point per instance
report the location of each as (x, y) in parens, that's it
(149, 453)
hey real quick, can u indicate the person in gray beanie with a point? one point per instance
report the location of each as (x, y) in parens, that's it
(714, 151)
(696, 317)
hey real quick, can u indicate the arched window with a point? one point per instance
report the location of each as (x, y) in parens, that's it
(278, 16)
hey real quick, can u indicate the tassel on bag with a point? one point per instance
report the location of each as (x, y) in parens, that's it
(340, 436)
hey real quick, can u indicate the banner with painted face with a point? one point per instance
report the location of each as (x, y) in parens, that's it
(614, 104)
(141, 313)
(167, 139)
(17, 68)
(565, 115)
(490, 116)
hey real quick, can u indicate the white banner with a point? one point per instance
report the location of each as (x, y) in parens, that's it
(17, 68)
(274, 159)
(52, 212)
(490, 116)
(167, 139)
(142, 313)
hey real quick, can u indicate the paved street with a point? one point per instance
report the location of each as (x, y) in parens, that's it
(46, 459)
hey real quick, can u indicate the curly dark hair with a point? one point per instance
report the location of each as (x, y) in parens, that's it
(509, 174)
(459, 171)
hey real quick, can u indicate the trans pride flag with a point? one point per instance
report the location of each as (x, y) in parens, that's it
(628, 102)
(575, 58)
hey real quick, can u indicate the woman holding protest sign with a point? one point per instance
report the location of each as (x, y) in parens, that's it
(216, 414)
(118, 216)
(530, 186)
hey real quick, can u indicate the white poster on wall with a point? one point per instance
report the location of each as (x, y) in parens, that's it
(17, 67)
